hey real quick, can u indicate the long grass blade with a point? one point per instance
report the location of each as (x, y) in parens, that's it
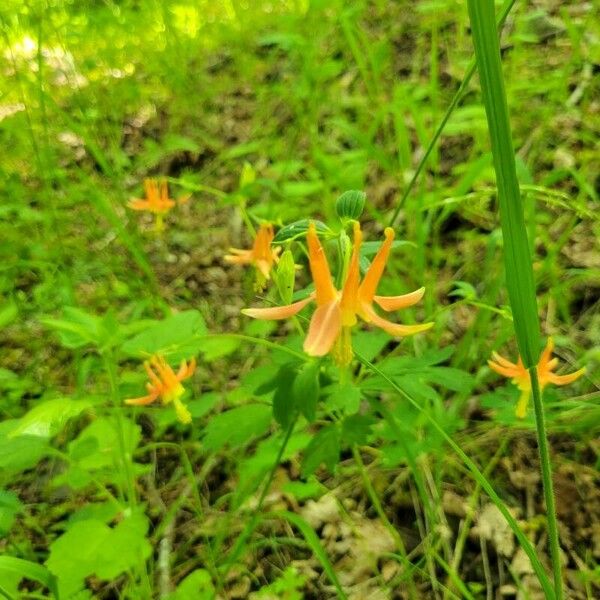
(475, 471)
(30, 570)
(312, 539)
(517, 258)
(442, 124)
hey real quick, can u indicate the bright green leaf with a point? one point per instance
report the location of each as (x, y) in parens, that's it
(237, 427)
(48, 418)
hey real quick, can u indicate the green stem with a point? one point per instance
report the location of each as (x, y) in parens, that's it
(440, 128)
(251, 525)
(477, 475)
(465, 527)
(126, 458)
(376, 502)
(261, 342)
(126, 469)
(546, 468)
(194, 482)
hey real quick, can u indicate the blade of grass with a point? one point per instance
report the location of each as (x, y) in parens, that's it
(315, 545)
(479, 477)
(517, 257)
(30, 570)
(376, 502)
(440, 128)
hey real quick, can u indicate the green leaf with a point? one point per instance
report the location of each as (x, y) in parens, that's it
(78, 328)
(217, 347)
(306, 390)
(288, 586)
(303, 490)
(463, 289)
(370, 343)
(10, 507)
(96, 451)
(299, 229)
(48, 418)
(370, 248)
(356, 428)
(19, 453)
(300, 189)
(237, 427)
(285, 276)
(323, 448)
(350, 205)
(8, 314)
(178, 337)
(450, 378)
(344, 397)
(284, 399)
(252, 469)
(197, 585)
(93, 548)
(29, 570)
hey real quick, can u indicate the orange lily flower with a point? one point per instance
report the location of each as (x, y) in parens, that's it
(337, 310)
(520, 375)
(262, 256)
(157, 200)
(166, 384)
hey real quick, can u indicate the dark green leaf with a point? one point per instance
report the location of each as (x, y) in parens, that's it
(298, 229)
(237, 427)
(356, 428)
(323, 448)
(306, 390)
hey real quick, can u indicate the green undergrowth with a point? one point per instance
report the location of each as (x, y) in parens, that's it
(268, 111)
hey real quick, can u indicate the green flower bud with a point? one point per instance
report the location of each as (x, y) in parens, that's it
(350, 205)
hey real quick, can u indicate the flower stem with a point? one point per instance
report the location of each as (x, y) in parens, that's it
(546, 468)
(376, 502)
(125, 456)
(240, 543)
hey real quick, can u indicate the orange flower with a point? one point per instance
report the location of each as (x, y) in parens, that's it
(520, 376)
(166, 384)
(262, 256)
(157, 199)
(337, 311)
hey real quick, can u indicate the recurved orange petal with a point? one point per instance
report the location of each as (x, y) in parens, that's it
(395, 329)
(389, 303)
(149, 399)
(276, 313)
(564, 379)
(369, 284)
(504, 370)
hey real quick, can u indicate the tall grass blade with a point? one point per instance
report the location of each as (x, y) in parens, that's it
(479, 477)
(30, 570)
(312, 539)
(442, 124)
(517, 257)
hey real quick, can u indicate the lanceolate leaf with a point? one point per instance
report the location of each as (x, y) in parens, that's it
(517, 256)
